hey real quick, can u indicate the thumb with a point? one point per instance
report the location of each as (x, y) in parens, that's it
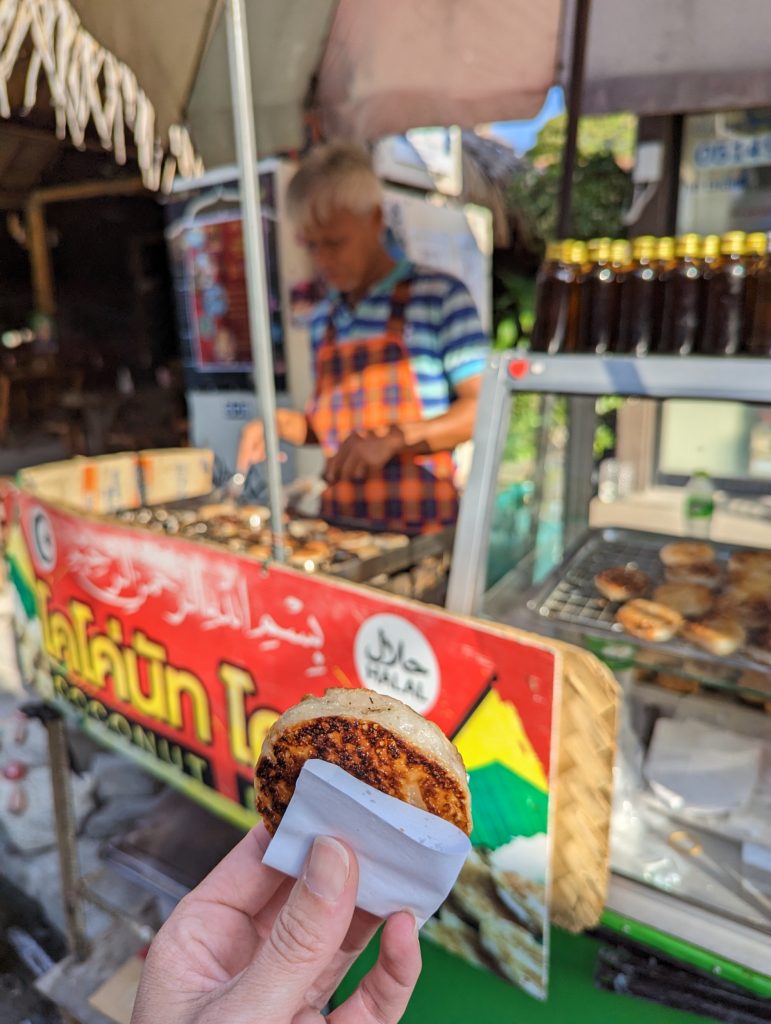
(306, 935)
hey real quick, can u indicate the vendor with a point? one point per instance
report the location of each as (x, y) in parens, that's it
(398, 354)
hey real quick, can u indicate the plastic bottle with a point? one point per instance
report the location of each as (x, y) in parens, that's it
(699, 505)
(638, 299)
(724, 323)
(681, 323)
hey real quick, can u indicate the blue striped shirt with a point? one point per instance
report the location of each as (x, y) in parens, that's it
(442, 330)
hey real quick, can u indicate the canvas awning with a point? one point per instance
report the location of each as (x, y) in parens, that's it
(676, 56)
(380, 67)
(364, 69)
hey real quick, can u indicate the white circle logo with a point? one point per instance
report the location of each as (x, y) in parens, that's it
(394, 658)
(43, 540)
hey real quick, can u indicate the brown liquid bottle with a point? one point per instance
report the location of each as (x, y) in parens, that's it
(600, 294)
(710, 254)
(637, 317)
(754, 254)
(759, 333)
(556, 328)
(681, 317)
(664, 264)
(545, 288)
(726, 287)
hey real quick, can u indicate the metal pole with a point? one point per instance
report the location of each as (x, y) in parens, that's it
(64, 820)
(256, 280)
(575, 90)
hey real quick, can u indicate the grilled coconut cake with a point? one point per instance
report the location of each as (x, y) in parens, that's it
(377, 739)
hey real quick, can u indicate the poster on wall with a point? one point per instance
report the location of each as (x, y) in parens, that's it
(210, 251)
(181, 656)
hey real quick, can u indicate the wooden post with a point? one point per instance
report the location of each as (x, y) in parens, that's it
(37, 241)
(40, 258)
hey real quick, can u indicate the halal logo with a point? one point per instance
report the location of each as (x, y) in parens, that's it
(43, 540)
(394, 658)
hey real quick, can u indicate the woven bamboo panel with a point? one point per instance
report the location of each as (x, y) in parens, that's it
(583, 790)
(582, 786)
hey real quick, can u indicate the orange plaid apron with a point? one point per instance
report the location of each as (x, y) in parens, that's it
(369, 384)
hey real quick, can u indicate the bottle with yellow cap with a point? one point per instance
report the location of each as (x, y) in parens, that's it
(664, 263)
(544, 288)
(556, 326)
(681, 316)
(710, 254)
(600, 294)
(639, 292)
(759, 318)
(754, 254)
(726, 287)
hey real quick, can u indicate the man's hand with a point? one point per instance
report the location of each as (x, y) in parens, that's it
(364, 452)
(292, 426)
(251, 946)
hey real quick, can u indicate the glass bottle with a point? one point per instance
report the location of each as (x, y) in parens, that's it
(723, 326)
(710, 254)
(664, 263)
(637, 316)
(599, 300)
(545, 288)
(556, 328)
(754, 256)
(759, 336)
(681, 315)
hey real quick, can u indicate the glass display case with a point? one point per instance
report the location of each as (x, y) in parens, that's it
(691, 835)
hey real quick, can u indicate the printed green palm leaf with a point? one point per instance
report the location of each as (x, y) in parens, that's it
(504, 805)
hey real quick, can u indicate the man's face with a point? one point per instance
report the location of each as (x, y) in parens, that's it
(343, 246)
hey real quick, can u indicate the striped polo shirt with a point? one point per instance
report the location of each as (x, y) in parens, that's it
(442, 331)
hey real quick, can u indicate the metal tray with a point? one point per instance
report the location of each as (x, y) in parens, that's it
(359, 570)
(568, 601)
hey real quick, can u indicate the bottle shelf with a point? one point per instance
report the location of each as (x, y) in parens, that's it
(739, 379)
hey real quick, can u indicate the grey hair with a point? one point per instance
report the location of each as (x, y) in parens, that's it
(338, 176)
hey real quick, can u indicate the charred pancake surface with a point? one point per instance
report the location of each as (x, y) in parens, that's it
(366, 750)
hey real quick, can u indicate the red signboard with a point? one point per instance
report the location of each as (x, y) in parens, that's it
(188, 653)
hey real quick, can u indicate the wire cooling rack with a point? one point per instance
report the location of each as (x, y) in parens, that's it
(569, 594)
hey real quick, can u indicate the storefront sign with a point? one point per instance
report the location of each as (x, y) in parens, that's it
(182, 656)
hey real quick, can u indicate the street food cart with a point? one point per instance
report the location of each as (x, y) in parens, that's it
(146, 615)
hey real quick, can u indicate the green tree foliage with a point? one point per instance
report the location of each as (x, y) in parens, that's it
(601, 185)
(601, 193)
(614, 134)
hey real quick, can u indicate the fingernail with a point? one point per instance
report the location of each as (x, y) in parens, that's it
(327, 870)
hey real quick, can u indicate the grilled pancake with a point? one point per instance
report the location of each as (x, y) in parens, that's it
(378, 740)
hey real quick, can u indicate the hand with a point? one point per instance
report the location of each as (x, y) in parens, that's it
(292, 426)
(364, 452)
(251, 946)
(251, 446)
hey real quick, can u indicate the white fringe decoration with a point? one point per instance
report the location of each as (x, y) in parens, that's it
(88, 84)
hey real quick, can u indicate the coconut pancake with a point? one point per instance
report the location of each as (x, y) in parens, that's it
(377, 739)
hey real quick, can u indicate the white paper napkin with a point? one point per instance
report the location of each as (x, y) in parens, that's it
(695, 766)
(408, 859)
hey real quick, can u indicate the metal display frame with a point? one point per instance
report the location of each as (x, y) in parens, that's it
(699, 936)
